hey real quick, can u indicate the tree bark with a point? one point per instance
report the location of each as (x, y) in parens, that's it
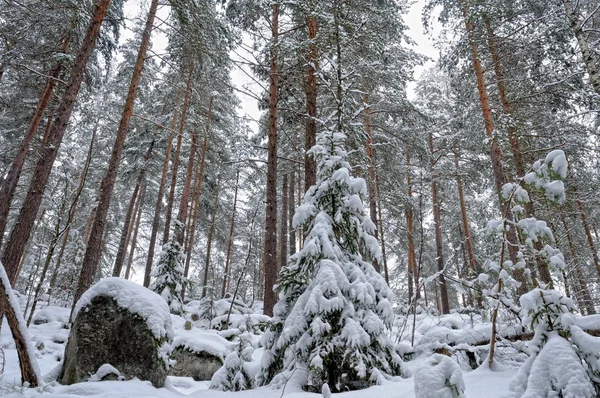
(465, 220)
(586, 53)
(130, 215)
(211, 232)
(413, 274)
(291, 211)
(226, 278)
(379, 211)
(186, 104)
(9, 185)
(159, 199)
(312, 65)
(27, 364)
(542, 264)
(495, 152)
(270, 243)
(136, 228)
(73, 210)
(185, 195)
(21, 232)
(437, 221)
(371, 171)
(283, 223)
(93, 252)
(585, 293)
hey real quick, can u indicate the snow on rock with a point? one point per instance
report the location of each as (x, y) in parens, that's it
(51, 314)
(135, 299)
(104, 371)
(439, 377)
(208, 341)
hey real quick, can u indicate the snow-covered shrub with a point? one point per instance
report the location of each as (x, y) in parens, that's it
(222, 315)
(233, 376)
(334, 309)
(439, 377)
(168, 274)
(554, 367)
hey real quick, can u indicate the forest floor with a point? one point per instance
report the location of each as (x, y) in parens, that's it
(50, 338)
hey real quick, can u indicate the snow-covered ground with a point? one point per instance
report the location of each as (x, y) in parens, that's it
(50, 339)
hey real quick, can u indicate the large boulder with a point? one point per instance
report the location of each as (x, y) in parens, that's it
(198, 353)
(123, 324)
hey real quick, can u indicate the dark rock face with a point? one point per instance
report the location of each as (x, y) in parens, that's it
(104, 333)
(198, 365)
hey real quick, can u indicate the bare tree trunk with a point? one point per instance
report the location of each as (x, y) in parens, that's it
(291, 211)
(197, 194)
(30, 372)
(130, 215)
(495, 152)
(9, 185)
(589, 305)
(226, 277)
(136, 228)
(283, 223)
(186, 104)
(437, 220)
(465, 221)
(371, 171)
(383, 254)
(73, 210)
(270, 243)
(586, 53)
(310, 167)
(185, 196)
(588, 233)
(413, 274)
(161, 191)
(21, 232)
(542, 264)
(93, 252)
(211, 232)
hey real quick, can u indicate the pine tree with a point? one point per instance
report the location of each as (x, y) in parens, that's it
(169, 280)
(334, 309)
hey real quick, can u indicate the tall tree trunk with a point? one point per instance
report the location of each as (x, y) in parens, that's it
(30, 372)
(175, 168)
(283, 223)
(136, 228)
(211, 232)
(586, 53)
(588, 234)
(495, 152)
(312, 65)
(270, 243)
(93, 252)
(9, 185)
(73, 210)
(542, 264)
(21, 232)
(413, 274)
(379, 211)
(465, 220)
(159, 198)
(226, 277)
(196, 200)
(585, 293)
(130, 215)
(291, 211)
(437, 220)
(185, 195)
(371, 171)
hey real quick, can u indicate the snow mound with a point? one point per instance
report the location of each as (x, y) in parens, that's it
(439, 377)
(51, 314)
(135, 299)
(209, 341)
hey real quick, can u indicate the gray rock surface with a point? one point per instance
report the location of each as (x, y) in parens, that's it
(198, 365)
(105, 333)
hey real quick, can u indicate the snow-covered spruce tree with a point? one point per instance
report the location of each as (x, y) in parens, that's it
(233, 376)
(334, 308)
(168, 274)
